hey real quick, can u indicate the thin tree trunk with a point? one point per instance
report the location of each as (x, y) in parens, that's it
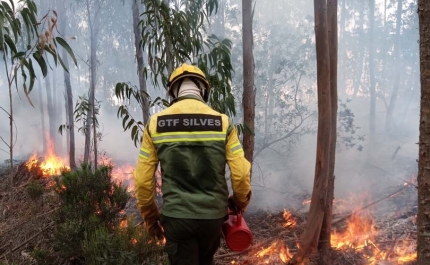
(248, 79)
(361, 54)
(170, 63)
(423, 218)
(50, 106)
(372, 115)
(42, 115)
(309, 239)
(325, 236)
(92, 113)
(68, 97)
(11, 176)
(91, 100)
(393, 98)
(342, 53)
(140, 63)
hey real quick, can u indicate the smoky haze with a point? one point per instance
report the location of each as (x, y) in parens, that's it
(370, 164)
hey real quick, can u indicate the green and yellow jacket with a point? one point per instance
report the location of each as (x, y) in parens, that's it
(193, 143)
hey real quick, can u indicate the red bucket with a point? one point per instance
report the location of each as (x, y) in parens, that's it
(237, 235)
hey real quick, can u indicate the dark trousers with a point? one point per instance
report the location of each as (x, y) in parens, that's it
(191, 241)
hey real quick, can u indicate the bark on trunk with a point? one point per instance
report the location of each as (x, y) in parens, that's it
(91, 100)
(393, 98)
(248, 79)
(372, 115)
(140, 63)
(361, 54)
(68, 98)
(309, 239)
(42, 116)
(423, 218)
(325, 236)
(11, 144)
(50, 106)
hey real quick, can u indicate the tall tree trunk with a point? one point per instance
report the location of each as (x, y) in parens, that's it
(325, 237)
(357, 84)
(393, 98)
(11, 142)
(69, 96)
(140, 63)
(423, 218)
(50, 106)
(42, 115)
(372, 115)
(342, 51)
(170, 63)
(309, 239)
(93, 26)
(248, 79)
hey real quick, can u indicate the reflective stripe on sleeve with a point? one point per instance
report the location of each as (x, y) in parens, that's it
(144, 153)
(188, 137)
(236, 148)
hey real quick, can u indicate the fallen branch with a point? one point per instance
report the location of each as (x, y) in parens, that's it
(369, 205)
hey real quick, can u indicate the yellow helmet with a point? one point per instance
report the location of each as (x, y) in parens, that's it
(186, 70)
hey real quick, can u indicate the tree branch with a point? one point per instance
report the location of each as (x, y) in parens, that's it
(290, 133)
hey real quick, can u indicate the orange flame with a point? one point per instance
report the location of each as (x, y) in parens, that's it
(360, 235)
(51, 165)
(124, 174)
(289, 219)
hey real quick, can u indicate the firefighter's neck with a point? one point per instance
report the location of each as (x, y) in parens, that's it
(188, 88)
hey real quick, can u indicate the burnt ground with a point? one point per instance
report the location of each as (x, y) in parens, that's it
(27, 224)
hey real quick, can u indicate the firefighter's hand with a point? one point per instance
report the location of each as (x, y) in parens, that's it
(156, 231)
(235, 205)
(151, 217)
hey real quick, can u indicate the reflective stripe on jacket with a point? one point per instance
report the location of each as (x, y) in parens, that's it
(193, 143)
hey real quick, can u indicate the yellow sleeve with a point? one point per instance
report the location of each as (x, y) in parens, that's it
(240, 168)
(144, 175)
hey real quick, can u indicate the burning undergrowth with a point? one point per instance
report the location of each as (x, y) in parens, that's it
(362, 233)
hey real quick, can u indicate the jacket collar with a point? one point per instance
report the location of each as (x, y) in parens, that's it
(186, 97)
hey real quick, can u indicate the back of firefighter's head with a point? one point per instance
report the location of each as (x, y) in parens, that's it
(188, 80)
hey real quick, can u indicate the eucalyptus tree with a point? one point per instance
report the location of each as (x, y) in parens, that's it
(396, 59)
(163, 27)
(423, 220)
(23, 43)
(248, 99)
(64, 15)
(322, 200)
(140, 61)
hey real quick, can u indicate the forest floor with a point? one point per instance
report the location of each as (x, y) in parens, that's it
(388, 238)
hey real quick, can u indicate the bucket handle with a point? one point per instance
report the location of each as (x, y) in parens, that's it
(239, 218)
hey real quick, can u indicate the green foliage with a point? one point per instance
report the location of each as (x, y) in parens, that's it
(125, 92)
(40, 256)
(347, 130)
(22, 51)
(163, 29)
(35, 189)
(88, 201)
(81, 109)
(128, 245)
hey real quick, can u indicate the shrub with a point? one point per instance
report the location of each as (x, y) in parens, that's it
(35, 189)
(89, 201)
(40, 256)
(125, 245)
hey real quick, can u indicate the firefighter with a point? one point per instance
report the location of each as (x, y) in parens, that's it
(192, 143)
